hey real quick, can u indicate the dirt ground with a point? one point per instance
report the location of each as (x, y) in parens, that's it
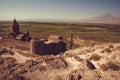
(97, 62)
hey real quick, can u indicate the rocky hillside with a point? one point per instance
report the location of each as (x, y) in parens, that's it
(99, 62)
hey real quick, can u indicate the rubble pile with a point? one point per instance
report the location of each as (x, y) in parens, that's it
(100, 62)
(10, 69)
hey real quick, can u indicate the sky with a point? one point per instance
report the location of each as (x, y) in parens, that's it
(57, 9)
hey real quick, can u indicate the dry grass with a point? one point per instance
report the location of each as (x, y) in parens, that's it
(95, 57)
(111, 66)
(107, 50)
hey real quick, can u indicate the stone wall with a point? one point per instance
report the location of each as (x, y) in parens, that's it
(50, 46)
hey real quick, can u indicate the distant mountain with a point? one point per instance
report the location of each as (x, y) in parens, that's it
(49, 20)
(104, 18)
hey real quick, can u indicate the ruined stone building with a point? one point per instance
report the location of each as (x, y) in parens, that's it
(15, 28)
(53, 45)
(16, 34)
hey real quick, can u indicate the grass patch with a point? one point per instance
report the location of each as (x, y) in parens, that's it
(96, 32)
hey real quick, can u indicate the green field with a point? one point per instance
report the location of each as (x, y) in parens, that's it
(97, 32)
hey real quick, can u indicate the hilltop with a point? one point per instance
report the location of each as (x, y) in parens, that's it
(86, 63)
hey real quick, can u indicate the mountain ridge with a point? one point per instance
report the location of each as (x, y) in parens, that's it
(104, 18)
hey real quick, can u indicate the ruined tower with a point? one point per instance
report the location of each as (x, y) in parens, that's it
(14, 28)
(16, 34)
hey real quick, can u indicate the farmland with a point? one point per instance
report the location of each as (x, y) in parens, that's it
(90, 33)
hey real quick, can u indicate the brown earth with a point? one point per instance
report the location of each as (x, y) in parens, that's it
(98, 62)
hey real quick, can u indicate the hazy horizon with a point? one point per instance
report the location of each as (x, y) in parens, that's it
(57, 9)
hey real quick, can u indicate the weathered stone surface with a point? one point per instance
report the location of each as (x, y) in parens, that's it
(47, 47)
(108, 50)
(90, 65)
(57, 64)
(3, 51)
(15, 77)
(5, 67)
(54, 38)
(1, 61)
(74, 76)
